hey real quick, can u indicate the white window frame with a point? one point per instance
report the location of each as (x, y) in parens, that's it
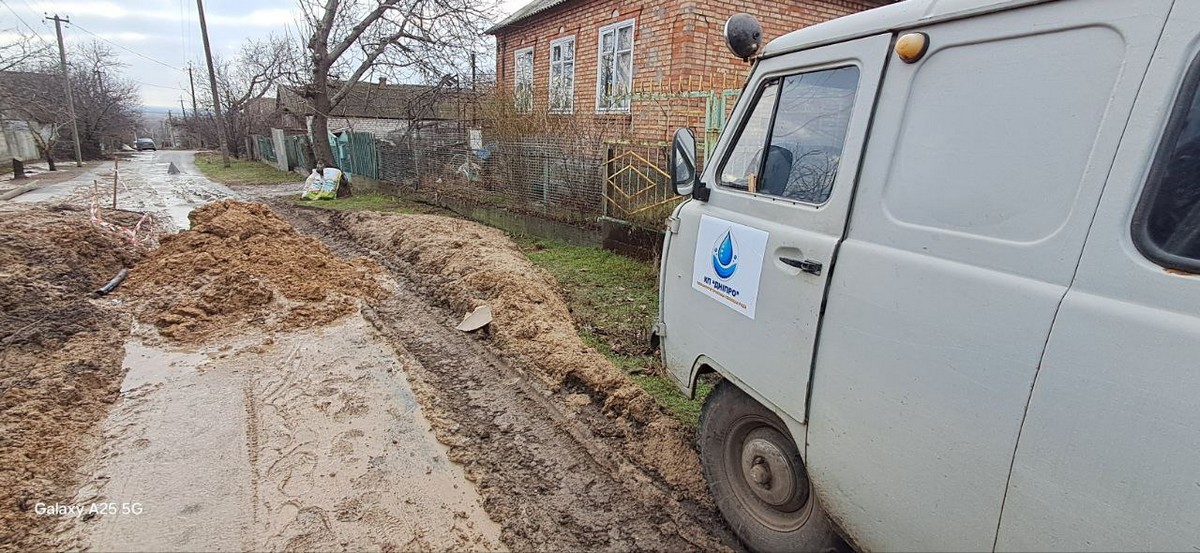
(570, 96)
(615, 28)
(517, 79)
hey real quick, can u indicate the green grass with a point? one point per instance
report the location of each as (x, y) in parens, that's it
(242, 171)
(614, 299)
(374, 202)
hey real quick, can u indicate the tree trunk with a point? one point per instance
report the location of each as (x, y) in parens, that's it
(49, 158)
(322, 151)
(320, 132)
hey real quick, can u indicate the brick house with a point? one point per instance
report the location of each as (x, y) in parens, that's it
(591, 58)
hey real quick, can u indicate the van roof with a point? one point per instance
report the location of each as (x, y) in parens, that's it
(901, 15)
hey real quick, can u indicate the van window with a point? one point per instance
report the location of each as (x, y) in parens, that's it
(1167, 221)
(800, 122)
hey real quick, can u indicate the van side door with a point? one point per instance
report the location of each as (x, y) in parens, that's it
(1109, 456)
(983, 171)
(744, 276)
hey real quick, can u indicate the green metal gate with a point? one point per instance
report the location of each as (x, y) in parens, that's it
(297, 146)
(637, 188)
(355, 153)
(266, 148)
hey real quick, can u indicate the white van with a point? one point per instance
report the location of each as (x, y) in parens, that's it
(945, 261)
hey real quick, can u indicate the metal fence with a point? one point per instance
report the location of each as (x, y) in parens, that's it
(546, 176)
(297, 151)
(564, 177)
(636, 183)
(266, 148)
(355, 153)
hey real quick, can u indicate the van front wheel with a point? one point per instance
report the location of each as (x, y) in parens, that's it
(757, 477)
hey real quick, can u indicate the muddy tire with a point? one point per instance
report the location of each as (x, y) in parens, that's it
(757, 477)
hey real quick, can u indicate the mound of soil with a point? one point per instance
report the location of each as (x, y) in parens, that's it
(241, 264)
(60, 358)
(466, 265)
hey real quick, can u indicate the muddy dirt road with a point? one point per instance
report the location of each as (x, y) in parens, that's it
(144, 185)
(307, 440)
(550, 466)
(251, 410)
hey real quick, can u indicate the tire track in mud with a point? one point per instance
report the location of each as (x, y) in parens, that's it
(546, 463)
(340, 461)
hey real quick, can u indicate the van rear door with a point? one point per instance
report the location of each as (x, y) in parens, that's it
(744, 278)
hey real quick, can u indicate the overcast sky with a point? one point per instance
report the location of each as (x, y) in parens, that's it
(157, 39)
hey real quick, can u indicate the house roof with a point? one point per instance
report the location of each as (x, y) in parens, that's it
(533, 8)
(261, 106)
(381, 101)
(28, 94)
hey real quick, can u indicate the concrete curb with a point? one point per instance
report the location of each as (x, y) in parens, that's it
(17, 191)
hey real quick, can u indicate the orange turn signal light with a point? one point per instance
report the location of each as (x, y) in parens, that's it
(911, 47)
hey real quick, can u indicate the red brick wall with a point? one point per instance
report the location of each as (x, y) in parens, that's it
(675, 41)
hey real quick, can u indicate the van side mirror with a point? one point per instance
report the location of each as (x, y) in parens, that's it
(683, 162)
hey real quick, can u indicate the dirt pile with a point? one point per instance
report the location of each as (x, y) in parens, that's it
(466, 265)
(241, 264)
(60, 358)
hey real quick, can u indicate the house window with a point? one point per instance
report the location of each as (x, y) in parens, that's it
(614, 74)
(562, 75)
(523, 82)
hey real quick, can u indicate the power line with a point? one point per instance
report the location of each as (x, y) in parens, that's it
(130, 50)
(27, 25)
(161, 86)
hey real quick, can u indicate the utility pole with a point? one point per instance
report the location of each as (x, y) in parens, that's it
(212, 81)
(186, 131)
(62, 64)
(195, 113)
(474, 97)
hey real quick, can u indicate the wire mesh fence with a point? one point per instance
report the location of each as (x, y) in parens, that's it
(576, 169)
(546, 175)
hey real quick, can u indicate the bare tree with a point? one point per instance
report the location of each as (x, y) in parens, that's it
(21, 50)
(106, 103)
(347, 40)
(22, 94)
(33, 100)
(258, 67)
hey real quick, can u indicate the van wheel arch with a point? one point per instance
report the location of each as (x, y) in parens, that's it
(702, 370)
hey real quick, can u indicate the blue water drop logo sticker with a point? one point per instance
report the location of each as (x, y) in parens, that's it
(725, 256)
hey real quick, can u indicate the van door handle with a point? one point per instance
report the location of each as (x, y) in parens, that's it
(807, 265)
